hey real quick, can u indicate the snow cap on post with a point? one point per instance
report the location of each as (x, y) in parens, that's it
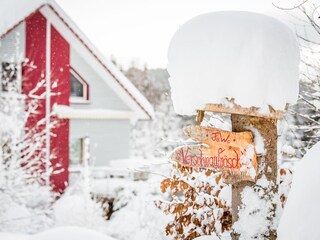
(247, 56)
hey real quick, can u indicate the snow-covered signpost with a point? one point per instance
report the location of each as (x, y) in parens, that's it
(225, 151)
(244, 64)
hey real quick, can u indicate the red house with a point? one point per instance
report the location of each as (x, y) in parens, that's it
(90, 97)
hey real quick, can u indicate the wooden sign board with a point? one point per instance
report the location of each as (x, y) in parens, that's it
(231, 152)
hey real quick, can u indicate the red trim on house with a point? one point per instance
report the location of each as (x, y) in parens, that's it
(83, 80)
(59, 141)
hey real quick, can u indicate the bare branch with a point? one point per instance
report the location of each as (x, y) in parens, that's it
(290, 8)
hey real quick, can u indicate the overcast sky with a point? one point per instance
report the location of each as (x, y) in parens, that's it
(141, 30)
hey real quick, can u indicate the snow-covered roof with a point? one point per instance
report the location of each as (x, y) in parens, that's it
(14, 12)
(72, 113)
(249, 57)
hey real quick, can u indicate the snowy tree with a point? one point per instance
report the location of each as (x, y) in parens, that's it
(156, 138)
(301, 126)
(299, 131)
(25, 198)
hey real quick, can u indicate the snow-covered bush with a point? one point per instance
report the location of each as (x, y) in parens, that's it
(138, 218)
(196, 203)
(78, 206)
(25, 199)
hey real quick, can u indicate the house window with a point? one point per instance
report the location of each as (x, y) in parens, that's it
(79, 150)
(9, 77)
(79, 89)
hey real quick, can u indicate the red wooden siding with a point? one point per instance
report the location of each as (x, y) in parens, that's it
(33, 71)
(60, 90)
(60, 74)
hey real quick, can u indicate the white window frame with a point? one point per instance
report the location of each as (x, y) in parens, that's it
(85, 98)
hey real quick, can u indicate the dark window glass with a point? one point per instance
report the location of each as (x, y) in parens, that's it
(75, 151)
(79, 149)
(76, 87)
(9, 77)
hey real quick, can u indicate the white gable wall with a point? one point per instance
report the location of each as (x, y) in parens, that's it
(109, 138)
(101, 95)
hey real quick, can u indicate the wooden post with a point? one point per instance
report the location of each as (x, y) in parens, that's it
(200, 116)
(267, 127)
(244, 119)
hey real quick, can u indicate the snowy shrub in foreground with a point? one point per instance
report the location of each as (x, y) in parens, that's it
(138, 218)
(25, 192)
(78, 207)
(25, 201)
(196, 204)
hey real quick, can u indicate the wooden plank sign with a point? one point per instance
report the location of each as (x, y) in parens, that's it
(231, 152)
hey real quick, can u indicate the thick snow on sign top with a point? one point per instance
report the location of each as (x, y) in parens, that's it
(251, 57)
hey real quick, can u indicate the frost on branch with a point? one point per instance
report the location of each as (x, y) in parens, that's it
(195, 203)
(256, 215)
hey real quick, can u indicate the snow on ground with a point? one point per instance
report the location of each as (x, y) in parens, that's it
(135, 201)
(224, 236)
(136, 216)
(67, 233)
(61, 233)
(206, 237)
(76, 210)
(139, 219)
(300, 219)
(13, 236)
(247, 56)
